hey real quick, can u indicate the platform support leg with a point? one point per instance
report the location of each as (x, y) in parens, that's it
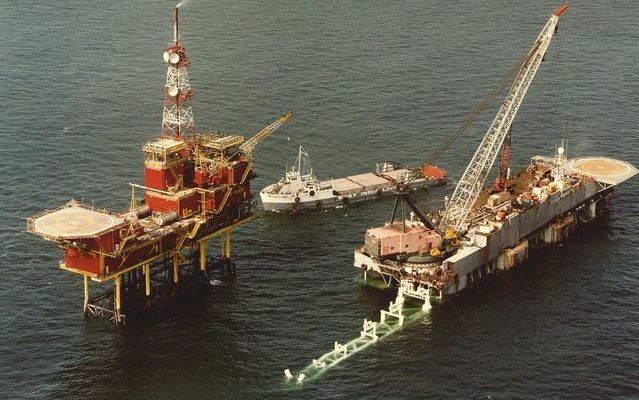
(228, 245)
(118, 299)
(176, 267)
(147, 279)
(86, 293)
(203, 256)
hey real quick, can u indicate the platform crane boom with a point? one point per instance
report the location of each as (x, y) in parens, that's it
(472, 181)
(247, 147)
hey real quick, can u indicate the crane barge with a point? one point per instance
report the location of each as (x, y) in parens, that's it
(484, 230)
(480, 230)
(196, 187)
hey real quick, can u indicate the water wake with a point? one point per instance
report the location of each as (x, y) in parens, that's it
(182, 3)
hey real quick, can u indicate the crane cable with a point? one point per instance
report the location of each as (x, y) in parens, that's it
(486, 101)
(434, 156)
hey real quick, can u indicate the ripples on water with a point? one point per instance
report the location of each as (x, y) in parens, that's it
(368, 81)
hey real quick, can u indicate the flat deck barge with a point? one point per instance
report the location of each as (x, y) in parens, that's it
(300, 189)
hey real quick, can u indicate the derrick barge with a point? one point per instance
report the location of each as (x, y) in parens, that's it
(481, 229)
(196, 187)
(544, 204)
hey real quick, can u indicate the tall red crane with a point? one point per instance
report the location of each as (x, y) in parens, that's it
(504, 162)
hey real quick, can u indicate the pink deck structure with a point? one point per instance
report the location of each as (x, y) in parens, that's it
(394, 239)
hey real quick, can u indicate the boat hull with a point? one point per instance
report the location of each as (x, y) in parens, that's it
(328, 198)
(549, 222)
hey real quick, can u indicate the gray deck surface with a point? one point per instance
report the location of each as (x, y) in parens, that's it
(396, 173)
(343, 185)
(370, 180)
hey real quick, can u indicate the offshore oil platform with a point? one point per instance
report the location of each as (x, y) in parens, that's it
(196, 188)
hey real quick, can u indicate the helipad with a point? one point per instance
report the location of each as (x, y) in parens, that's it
(74, 222)
(602, 169)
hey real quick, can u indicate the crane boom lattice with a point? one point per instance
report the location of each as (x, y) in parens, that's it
(473, 179)
(247, 147)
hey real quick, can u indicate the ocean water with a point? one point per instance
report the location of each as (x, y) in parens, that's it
(368, 81)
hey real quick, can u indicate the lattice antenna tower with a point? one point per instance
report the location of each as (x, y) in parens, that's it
(177, 116)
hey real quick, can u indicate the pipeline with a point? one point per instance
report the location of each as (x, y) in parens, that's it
(391, 321)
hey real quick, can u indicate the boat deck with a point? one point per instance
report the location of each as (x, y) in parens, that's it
(398, 174)
(345, 186)
(368, 181)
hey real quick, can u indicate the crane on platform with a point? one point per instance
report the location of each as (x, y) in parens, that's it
(210, 162)
(503, 173)
(497, 137)
(247, 147)
(472, 181)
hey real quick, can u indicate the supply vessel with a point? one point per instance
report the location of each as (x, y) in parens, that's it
(483, 230)
(300, 189)
(196, 187)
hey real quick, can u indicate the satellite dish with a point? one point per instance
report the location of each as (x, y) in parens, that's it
(165, 56)
(174, 58)
(173, 91)
(561, 150)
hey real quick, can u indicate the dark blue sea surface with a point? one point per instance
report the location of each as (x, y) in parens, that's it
(81, 83)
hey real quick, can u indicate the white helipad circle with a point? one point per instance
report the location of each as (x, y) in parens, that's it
(74, 222)
(600, 166)
(602, 169)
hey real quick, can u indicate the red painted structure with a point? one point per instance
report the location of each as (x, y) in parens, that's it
(195, 186)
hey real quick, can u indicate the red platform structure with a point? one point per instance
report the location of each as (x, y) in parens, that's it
(196, 187)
